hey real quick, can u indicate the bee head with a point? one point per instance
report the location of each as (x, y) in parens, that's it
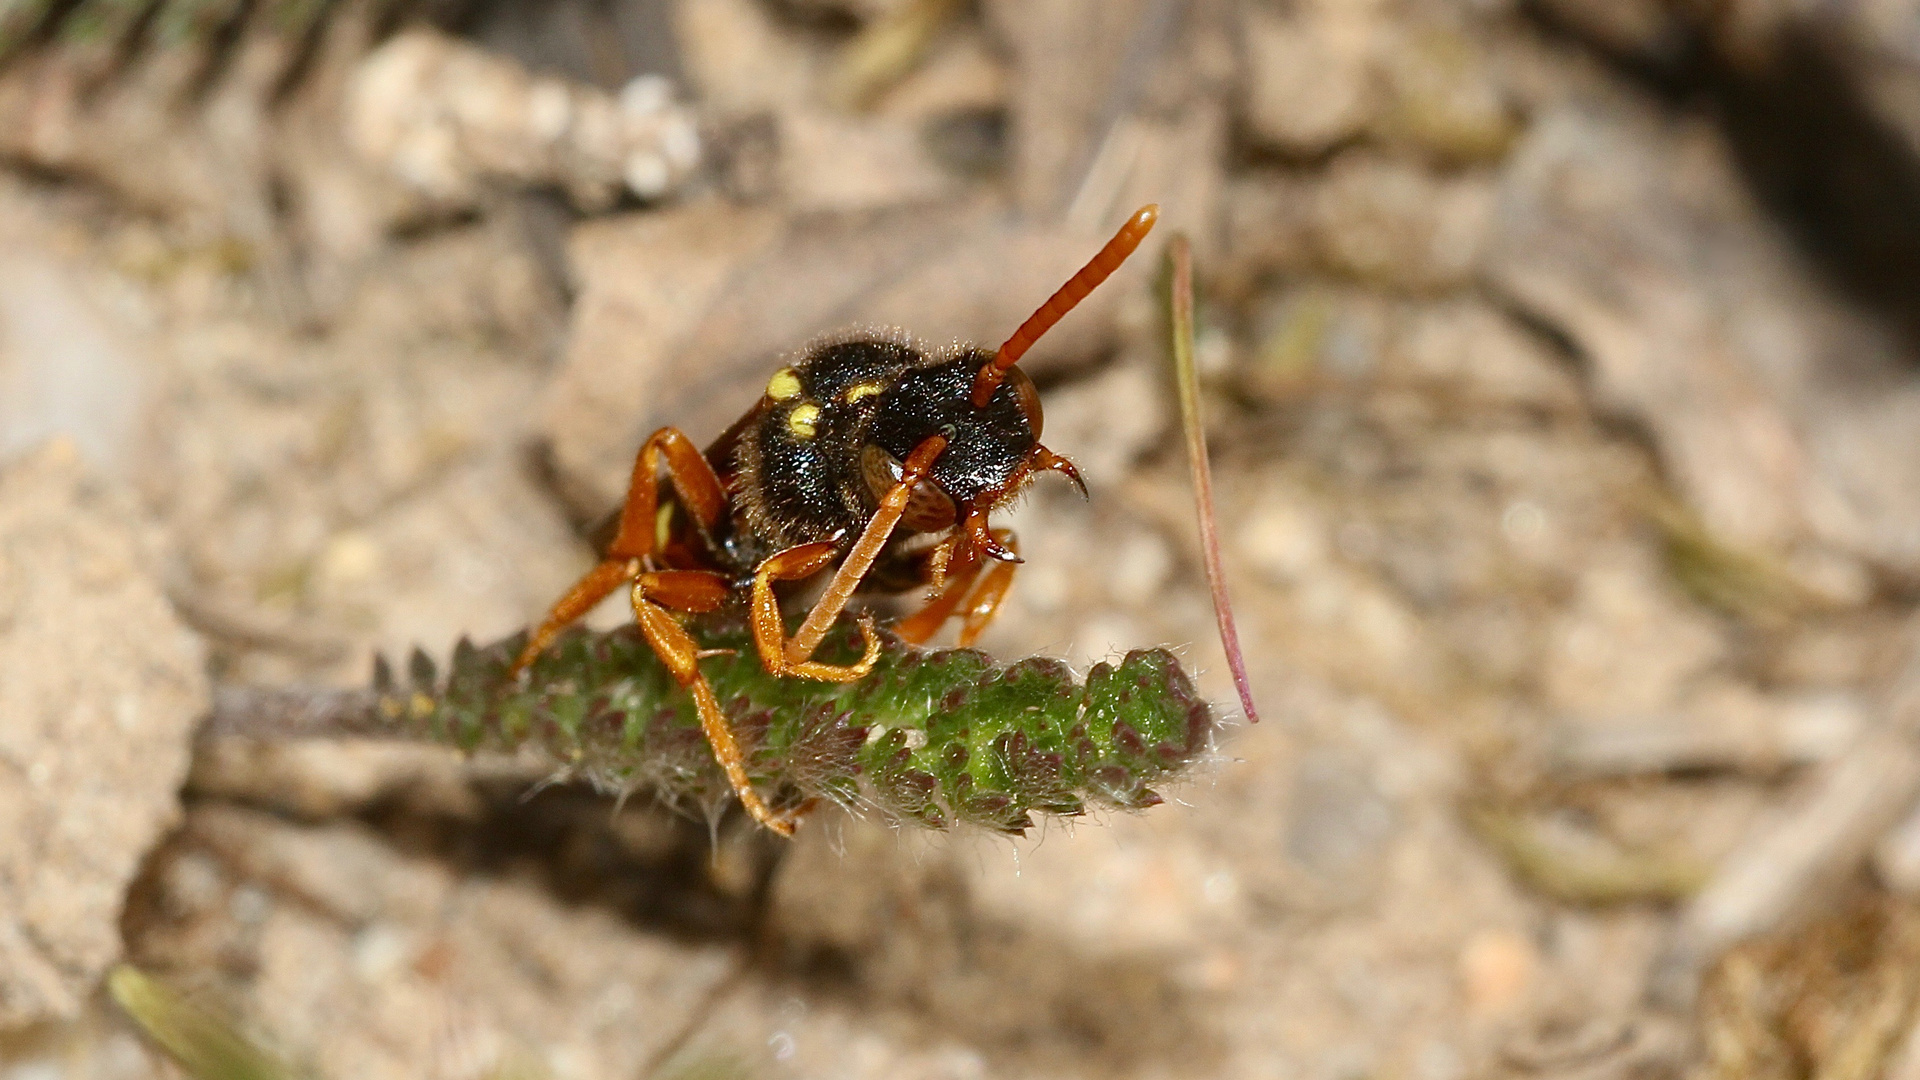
(981, 403)
(989, 412)
(992, 450)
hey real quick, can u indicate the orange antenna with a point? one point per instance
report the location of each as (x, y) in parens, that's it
(1075, 290)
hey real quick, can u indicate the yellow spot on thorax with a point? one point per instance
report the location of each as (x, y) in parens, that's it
(803, 420)
(785, 384)
(860, 390)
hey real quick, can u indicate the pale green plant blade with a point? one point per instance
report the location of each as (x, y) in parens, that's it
(203, 1045)
(1186, 376)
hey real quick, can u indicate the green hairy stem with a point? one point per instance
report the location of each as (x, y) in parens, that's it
(932, 737)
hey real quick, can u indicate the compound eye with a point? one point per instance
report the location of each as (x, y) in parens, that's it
(929, 509)
(1028, 396)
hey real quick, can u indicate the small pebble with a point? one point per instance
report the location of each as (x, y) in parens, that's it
(1497, 968)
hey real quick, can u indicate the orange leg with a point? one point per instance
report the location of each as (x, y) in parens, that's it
(596, 585)
(700, 493)
(770, 632)
(698, 590)
(986, 600)
(846, 579)
(979, 611)
(693, 480)
(655, 592)
(916, 628)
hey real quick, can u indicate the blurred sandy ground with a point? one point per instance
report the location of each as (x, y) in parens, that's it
(1562, 392)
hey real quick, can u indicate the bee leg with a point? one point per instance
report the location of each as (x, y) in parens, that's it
(986, 600)
(700, 493)
(693, 479)
(796, 655)
(697, 590)
(594, 586)
(961, 576)
(950, 569)
(916, 628)
(770, 631)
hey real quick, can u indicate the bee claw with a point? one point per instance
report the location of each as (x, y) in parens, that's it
(994, 549)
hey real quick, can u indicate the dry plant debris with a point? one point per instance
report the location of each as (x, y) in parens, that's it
(1832, 999)
(445, 118)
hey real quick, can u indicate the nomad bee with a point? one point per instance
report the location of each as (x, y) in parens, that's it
(870, 457)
